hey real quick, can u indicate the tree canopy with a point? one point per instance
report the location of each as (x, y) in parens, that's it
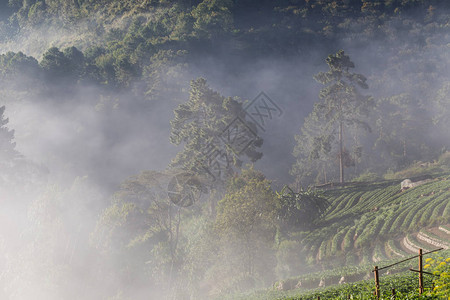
(214, 131)
(341, 105)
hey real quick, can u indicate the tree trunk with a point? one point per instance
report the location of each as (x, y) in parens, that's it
(341, 152)
(404, 148)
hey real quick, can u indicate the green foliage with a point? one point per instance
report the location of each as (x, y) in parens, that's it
(141, 229)
(406, 121)
(7, 146)
(360, 218)
(442, 117)
(289, 260)
(444, 160)
(164, 73)
(441, 268)
(404, 282)
(248, 204)
(67, 65)
(246, 220)
(415, 170)
(405, 286)
(146, 48)
(303, 209)
(212, 18)
(342, 105)
(54, 61)
(367, 177)
(198, 124)
(16, 64)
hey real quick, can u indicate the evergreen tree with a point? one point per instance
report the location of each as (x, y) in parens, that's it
(7, 146)
(342, 105)
(205, 124)
(55, 64)
(310, 165)
(402, 128)
(212, 18)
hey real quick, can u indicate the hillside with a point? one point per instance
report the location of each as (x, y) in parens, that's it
(169, 149)
(404, 284)
(373, 224)
(125, 54)
(371, 214)
(368, 224)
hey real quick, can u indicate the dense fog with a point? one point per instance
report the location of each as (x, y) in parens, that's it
(84, 180)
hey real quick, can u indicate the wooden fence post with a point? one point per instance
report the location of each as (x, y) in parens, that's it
(420, 272)
(377, 283)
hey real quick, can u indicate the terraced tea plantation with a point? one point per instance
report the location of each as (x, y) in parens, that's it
(367, 225)
(379, 221)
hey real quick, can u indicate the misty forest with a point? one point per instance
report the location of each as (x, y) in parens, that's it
(224, 149)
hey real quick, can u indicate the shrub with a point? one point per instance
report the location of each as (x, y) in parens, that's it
(414, 170)
(367, 177)
(444, 160)
(441, 269)
(289, 261)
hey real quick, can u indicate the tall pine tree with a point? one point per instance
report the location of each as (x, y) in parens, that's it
(341, 105)
(210, 126)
